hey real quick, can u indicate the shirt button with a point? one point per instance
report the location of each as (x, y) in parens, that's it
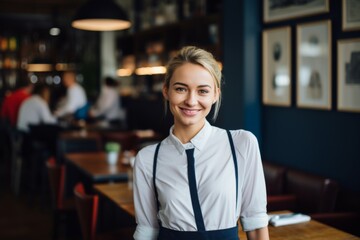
(189, 146)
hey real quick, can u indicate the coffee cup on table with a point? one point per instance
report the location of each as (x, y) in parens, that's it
(112, 149)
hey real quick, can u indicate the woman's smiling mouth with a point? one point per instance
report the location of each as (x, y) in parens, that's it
(189, 112)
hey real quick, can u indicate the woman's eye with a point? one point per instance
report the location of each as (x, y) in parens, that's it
(202, 91)
(180, 89)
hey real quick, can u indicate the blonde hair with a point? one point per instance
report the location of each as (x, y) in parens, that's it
(195, 55)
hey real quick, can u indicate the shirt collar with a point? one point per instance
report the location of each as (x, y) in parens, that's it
(198, 141)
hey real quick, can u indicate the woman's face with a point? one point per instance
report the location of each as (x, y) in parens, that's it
(191, 93)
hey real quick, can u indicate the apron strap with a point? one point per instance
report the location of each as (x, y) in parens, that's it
(235, 163)
(154, 175)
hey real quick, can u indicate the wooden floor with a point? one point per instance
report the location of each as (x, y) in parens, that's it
(19, 219)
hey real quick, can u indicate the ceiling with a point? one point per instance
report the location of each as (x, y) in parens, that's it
(39, 7)
(35, 14)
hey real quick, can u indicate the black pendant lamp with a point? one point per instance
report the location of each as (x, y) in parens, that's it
(101, 15)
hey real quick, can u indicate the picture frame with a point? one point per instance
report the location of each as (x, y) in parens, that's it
(348, 79)
(350, 15)
(313, 81)
(275, 10)
(277, 66)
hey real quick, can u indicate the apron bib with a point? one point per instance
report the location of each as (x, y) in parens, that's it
(222, 234)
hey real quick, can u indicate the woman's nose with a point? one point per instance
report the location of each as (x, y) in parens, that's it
(191, 99)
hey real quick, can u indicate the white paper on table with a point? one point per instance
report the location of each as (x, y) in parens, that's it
(277, 220)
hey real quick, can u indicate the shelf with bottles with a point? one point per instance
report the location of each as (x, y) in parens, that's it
(10, 65)
(147, 52)
(202, 30)
(9, 53)
(153, 13)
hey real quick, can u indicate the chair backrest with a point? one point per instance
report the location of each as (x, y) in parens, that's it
(56, 181)
(69, 144)
(46, 134)
(87, 209)
(274, 178)
(314, 194)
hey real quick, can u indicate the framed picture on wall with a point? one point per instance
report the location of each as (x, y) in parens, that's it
(348, 82)
(313, 80)
(277, 66)
(277, 10)
(350, 15)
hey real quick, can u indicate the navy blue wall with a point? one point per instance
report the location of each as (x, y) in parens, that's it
(241, 106)
(230, 115)
(322, 142)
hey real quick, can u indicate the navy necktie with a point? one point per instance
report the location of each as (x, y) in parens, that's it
(193, 190)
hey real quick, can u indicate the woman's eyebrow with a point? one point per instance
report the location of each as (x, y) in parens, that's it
(180, 83)
(205, 85)
(183, 84)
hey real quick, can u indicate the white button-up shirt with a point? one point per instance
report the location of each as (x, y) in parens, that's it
(108, 104)
(34, 110)
(75, 99)
(215, 179)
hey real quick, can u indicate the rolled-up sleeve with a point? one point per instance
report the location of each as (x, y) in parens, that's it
(146, 233)
(253, 213)
(144, 198)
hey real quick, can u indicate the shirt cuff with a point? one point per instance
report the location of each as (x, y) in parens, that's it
(252, 223)
(146, 233)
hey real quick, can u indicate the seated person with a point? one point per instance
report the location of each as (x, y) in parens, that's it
(35, 110)
(12, 102)
(75, 98)
(108, 104)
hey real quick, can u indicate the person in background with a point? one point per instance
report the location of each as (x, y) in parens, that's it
(11, 104)
(75, 98)
(200, 180)
(108, 104)
(35, 110)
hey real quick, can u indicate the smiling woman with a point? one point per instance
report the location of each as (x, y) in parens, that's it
(202, 59)
(179, 183)
(191, 94)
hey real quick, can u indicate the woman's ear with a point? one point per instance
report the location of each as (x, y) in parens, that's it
(165, 92)
(217, 95)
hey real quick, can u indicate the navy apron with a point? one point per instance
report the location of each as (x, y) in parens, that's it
(201, 234)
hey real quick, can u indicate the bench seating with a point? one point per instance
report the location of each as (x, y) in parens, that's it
(320, 197)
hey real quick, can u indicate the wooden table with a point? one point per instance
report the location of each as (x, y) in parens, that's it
(94, 165)
(313, 230)
(129, 140)
(119, 193)
(79, 134)
(122, 195)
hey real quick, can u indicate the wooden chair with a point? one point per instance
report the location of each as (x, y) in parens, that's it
(17, 158)
(41, 142)
(64, 210)
(87, 209)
